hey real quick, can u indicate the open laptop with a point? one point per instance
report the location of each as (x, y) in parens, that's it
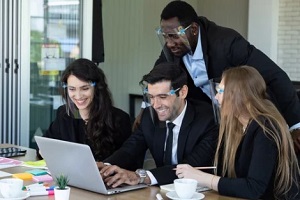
(77, 162)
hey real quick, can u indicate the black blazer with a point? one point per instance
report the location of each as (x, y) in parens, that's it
(224, 47)
(255, 167)
(196, 142)
(70, 129)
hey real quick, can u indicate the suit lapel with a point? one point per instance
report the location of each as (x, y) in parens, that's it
(184, 131)
(159, 144)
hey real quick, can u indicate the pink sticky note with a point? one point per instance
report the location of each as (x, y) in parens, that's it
(43, 178)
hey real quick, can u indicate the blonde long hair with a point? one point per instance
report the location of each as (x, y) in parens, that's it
(245, 94)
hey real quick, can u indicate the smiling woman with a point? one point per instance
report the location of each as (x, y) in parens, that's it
(88, 115)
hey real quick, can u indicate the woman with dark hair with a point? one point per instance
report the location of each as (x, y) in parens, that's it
(88, 117)
(255, 156)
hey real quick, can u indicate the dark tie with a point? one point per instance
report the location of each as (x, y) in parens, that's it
(169, 145)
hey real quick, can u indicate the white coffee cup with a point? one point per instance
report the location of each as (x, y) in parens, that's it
(11, 187)
(185, 188)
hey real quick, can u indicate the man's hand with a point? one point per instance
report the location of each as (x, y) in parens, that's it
(114, 176)
(100, 165)
(296, 139)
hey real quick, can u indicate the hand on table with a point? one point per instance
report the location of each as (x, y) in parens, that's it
(114, 176)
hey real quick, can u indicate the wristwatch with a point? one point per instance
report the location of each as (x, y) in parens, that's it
(142, 174)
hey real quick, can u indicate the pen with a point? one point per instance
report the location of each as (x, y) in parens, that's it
(43, 188)
(40, 193)
(210, 167)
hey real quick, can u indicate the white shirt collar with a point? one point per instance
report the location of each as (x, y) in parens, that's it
(179, 118)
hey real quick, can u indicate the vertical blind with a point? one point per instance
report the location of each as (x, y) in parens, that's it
(9, 71)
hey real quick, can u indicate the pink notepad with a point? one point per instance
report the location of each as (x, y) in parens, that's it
(43, 178)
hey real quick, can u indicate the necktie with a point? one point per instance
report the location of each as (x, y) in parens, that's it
(169, 145)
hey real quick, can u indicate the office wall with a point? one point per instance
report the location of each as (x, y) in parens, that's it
(263, 26)
(229, 13)
(289, 37)
(274, 27)
(131, 45)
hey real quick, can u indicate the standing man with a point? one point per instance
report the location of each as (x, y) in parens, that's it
(205, 50)
(172, 128)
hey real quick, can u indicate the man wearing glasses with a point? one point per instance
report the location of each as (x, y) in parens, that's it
(205, 50)
(174, 130)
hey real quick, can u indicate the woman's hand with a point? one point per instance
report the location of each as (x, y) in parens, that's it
(204, 179)
(186, 171)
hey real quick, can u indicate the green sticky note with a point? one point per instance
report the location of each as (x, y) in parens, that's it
(37, 172)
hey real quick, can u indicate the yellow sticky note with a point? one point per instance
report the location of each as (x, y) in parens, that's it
(23, 176)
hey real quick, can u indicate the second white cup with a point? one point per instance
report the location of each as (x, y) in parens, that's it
(185, 188)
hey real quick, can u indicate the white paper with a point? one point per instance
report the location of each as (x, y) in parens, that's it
(4, 174)
(8, 162)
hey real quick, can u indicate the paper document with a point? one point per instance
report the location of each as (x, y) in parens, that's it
(8, 162)
(4, 174)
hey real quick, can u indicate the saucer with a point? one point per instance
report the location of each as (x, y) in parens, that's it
(173, 195)
(24, 195)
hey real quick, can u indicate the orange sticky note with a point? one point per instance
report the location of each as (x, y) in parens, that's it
(23, 176)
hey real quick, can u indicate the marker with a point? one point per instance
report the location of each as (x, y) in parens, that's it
(43, 188)
(41, 193)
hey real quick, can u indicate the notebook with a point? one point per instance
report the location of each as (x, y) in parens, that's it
(9, 152)
(77, 162)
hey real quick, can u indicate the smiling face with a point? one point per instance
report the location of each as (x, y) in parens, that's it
(81, 93)
(167, 106)
(179, 45)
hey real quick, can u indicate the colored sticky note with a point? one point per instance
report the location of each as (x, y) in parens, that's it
(43, 178)
(35, 164)
(23, 176)
(37, 172)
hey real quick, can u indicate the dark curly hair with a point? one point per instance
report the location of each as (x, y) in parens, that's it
(182, 10)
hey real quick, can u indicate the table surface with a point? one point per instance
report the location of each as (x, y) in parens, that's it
(79, 194)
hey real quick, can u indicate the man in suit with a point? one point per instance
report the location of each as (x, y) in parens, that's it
(205, 49)
(193, 136)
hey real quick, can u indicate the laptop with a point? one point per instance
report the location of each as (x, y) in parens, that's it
(78, 163)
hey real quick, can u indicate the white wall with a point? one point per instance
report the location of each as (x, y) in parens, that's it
(274, 28)
(289, 38)
(263, 26)
(228, 13)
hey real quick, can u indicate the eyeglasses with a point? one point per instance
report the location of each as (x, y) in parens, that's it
(218, 89)
(160, 96)
(179, 31)
(84, 87)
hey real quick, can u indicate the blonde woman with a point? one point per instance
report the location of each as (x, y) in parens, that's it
(255, 157)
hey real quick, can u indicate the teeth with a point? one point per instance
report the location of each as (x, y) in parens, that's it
(80, 101)
(161, 110)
